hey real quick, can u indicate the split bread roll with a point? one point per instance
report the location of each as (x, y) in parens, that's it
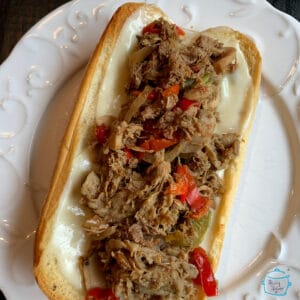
(61, 239)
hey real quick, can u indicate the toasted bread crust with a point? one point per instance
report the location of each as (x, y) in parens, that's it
(47, 272)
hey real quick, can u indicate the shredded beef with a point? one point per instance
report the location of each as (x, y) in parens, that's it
(123, 134)
(222, 149)
(91, 186)
(144, 272)
(142, 227)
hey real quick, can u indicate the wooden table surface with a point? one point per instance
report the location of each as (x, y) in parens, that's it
(17, 17)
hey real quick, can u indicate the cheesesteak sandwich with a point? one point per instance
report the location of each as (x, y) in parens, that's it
(150, 162)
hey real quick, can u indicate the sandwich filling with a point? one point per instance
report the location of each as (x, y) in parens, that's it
(157, 180)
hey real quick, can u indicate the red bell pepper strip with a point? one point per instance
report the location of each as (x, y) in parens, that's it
(179, 31)
(182, 185)
(100, 294)
(173, 89)
(205, 276)
(102, 133)
(184, 103)
(184, 170)
(200, 205)
(180, 188)
(193, 198)
(186, 187)
(158, 144)
(151, 28)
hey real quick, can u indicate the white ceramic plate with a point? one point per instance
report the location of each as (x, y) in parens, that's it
(38, 84)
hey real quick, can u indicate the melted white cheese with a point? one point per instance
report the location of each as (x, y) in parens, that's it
(232, 107)
(68, 236)
(69, 239)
